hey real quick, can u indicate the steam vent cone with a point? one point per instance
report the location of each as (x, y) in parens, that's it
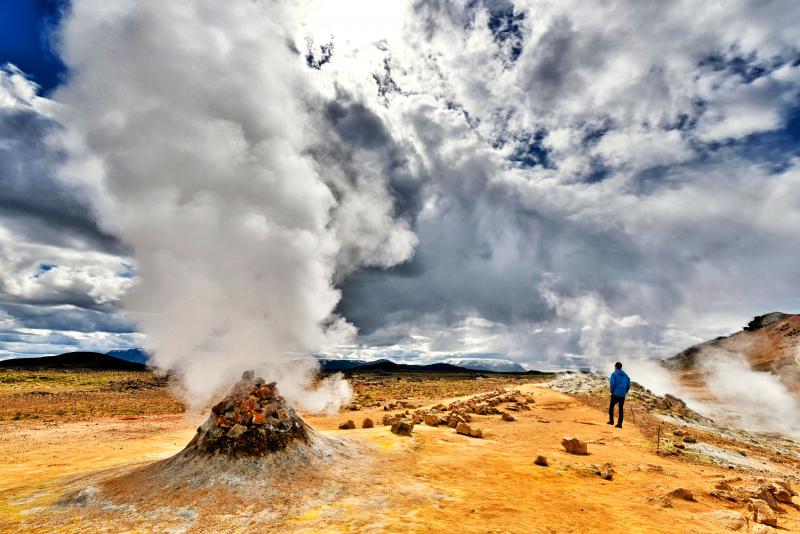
(252, 420)
(252, 446)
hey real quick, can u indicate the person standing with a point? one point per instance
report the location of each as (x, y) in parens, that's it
(620, 384)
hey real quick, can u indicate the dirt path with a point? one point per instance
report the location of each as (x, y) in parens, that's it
(437, 481)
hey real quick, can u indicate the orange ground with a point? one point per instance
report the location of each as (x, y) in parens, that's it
(437, 481)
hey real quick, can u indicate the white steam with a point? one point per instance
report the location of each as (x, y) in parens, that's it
(193, 125)
(759, 400)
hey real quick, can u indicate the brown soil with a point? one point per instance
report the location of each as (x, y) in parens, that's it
(435, 481)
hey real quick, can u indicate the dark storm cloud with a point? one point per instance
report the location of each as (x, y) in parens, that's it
(34, 203)
(66, 318)
(58, 270)
(551, 181)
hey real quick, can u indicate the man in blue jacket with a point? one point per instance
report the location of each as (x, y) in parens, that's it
(620, 384)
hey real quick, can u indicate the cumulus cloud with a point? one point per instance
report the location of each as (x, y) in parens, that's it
(59, 272)
(242, 189)
(561, 184)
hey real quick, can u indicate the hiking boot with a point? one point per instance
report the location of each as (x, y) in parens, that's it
(610, 423)
(618, 425)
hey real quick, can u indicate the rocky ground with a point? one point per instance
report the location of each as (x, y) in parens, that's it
(500, 456)
(681, 431)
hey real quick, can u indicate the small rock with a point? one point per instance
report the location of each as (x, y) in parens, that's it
(367, 423)
(727, 519)
(476, 433)
(348, 425)
(508, 417)
(782, 491)
(236, 431)
(431, 420)
(574, 445)
(682, 493)
(762, 513)
(606, 472)
(660, 501)
(761, 529)
(402, 428)
(259, 418)
(463, 428)
(541, 460)
(689, 439)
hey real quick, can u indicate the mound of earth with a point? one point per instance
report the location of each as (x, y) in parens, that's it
(253, 420)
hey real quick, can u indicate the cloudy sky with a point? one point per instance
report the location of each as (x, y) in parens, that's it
(553, 183)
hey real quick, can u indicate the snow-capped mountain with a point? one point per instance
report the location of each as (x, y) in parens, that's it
(496, 365)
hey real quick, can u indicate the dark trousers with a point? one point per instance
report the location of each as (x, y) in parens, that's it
(621, 402)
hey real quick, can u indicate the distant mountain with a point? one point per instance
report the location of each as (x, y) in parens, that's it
(340, 365)
(131, 355)
(449, 366)
(769, 342)
(74, 360)
(388, 366)
(493, 365)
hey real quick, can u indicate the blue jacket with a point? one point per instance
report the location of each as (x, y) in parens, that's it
(620, 383)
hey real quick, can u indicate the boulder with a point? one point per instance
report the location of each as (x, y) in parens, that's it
(347, 425)
(541, 460)
(431, 419)
(367, 423)
(689, 439)
(574, 445)
(762, 513)
(508, 417)
(402, 427)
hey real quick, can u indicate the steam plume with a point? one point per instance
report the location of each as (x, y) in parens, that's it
(193, 126)
(758, 399)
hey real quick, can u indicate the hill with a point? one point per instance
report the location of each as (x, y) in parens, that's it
(74, 360)
(769, 343)
(131, 355)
